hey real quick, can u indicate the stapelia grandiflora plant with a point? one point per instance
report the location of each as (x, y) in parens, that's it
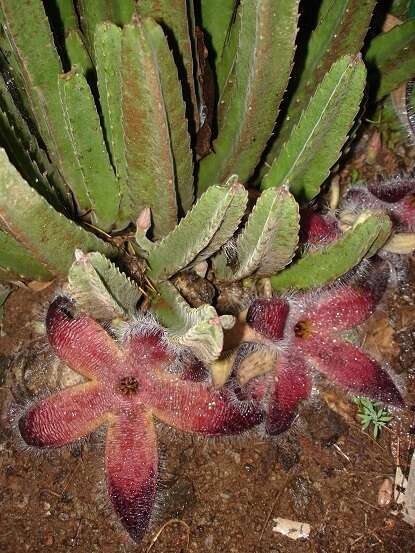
(149, 104)
(132, 131)
(128, 382)
(305, 330)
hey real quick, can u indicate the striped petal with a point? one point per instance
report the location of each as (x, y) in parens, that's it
(316, 229)
(350, 367)
(66, 416)
(146, 346)
(196, 407)
(81, 342)
(291, 385)
(339, 309)
(268, 317)
(131, 468)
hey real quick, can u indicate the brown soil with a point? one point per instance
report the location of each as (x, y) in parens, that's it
(325, 471)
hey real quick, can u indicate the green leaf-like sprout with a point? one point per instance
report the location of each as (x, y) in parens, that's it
(372, 413)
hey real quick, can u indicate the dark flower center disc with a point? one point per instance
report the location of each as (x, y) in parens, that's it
(128, 386)
(303, 329)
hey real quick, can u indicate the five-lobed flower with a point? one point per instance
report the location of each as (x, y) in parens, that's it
(128, 382)
(307, 330)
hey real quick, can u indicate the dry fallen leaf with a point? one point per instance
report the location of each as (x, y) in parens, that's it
(380, 338)
(291, 528)
(404, 493)
(340, 406)
(385, 493)
(221, 369)
(255, 364)
(406, 317)
(38, 286)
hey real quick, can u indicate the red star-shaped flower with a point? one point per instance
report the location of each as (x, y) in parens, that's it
(128, 382)
(308, 330)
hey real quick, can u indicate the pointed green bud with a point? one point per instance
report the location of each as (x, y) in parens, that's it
(143, 224)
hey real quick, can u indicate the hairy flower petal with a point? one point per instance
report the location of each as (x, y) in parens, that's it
(66, 416)
(405, 212)
(350, 367)
(195, 407)
(291, 385)
(316, 229)
(340, 309)
(131, 468)
(393, 190)
(81, 342)
(147, 349)
(268, 317)
(395, 197)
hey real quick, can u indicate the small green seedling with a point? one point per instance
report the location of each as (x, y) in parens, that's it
(371, 412)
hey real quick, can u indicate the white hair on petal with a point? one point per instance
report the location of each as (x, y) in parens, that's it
(18, 410)
(144, 324)
(398, 268)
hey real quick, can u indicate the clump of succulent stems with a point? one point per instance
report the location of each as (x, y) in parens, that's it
(162, 155)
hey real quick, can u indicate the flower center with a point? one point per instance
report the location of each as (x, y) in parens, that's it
(128, 386)
(303, 329)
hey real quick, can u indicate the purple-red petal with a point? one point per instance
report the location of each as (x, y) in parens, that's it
(340, 308)
(147, 346)
(81, 342)
(291, 385)
(196, 407)
(268, 317)
(392, 191)
(194, 370)
(131, 468)
(66, 416)
(350, 367)
(395, 197)
(405, 212)
(316, 229)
